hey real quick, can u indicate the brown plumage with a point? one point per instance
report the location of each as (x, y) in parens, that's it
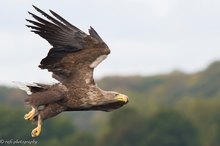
(72, 59)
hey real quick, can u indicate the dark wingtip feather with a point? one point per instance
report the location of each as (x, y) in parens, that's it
(94, 34)
(51, 11)
(29, 26)
(31, 14)
(30, 21)
(36, 8)
(63, 20)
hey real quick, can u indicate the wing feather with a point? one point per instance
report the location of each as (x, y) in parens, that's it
(52, 19)
(94, 34)
(73, 50)
(64, 21)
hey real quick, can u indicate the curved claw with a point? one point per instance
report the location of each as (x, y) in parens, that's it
(30, 116)
(36, 132)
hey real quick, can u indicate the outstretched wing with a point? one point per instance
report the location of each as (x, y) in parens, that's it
(74, 54)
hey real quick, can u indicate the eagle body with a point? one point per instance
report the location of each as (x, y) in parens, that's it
(62, 99)
(72, 59)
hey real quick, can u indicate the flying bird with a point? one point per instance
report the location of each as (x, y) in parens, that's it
(72, 59)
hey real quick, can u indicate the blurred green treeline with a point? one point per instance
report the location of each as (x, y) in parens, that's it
(175, 109)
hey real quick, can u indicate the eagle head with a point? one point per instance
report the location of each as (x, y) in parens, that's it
(113, 100)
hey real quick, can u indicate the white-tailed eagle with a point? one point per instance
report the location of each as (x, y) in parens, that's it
(72, 59)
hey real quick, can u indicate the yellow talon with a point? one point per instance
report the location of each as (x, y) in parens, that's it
(30, 116)
(36, 132)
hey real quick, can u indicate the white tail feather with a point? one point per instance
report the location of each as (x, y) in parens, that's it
(24, 86)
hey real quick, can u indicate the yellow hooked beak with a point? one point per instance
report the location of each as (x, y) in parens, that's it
(121, 97)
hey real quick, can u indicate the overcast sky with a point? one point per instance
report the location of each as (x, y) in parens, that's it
(146, 36)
